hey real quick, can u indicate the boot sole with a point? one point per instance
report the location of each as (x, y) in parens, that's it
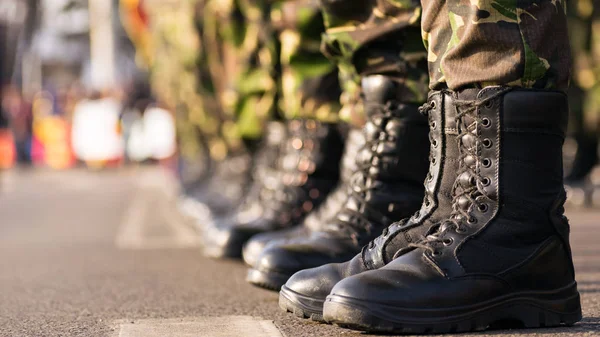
(300, 305)
(267, 280)
(529, 310)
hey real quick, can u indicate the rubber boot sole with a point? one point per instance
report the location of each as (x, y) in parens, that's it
(528, 310)
(300, 305)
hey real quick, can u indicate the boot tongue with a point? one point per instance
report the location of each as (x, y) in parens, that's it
(467, 95)
(377, 89)
(354, 143)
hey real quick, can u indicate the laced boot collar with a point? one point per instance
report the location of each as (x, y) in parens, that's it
(374, 254)
(470, 192)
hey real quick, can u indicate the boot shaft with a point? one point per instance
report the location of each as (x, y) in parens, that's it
(396, 135)
(508, 194)
(391, 166)
(437, 203)
(312, 149)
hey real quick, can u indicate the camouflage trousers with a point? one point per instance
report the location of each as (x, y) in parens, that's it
(584, 93)
(269, 51)
(239, 53)
(228, 66)
(468, 43)
(375, 37)
(309, 82)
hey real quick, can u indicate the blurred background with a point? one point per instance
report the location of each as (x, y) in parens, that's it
(107, 83)
(73, 92)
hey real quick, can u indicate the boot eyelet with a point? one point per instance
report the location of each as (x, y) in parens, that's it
(482, 208)
(486, 122)
(433, 161)
(460, 230)
(427, 202)
(489, 104)
(433, 104)
(486, 162)
(448, 241)
(436, 253)
(433, 125)
(472, 220)
(434, 143)
(486, 181)
(487, 143)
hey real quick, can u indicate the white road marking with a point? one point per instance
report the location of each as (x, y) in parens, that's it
(225, 326)
(131, 231)
(156, 178)
(185, 236)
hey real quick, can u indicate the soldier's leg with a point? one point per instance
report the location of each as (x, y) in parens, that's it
(241, 54)
(309, 82)
(309, 92)
(306, 168)
(378, 49)
(177, 62)
(497, 72)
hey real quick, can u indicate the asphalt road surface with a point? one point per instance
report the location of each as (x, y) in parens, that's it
(107, 254)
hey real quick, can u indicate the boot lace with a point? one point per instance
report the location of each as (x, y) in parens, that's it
(425, 110)
(280, 191)
(360, 222)
(468, 189)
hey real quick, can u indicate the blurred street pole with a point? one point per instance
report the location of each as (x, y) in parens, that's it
(102, 44)
(31, 64)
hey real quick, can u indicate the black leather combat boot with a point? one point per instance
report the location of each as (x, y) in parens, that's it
(307, 170)
(326, 211)
(387, 185)
(504, 254)
(233, 178)
(225, 187)
(305, 292)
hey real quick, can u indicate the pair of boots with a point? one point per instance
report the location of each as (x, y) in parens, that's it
(489, 244)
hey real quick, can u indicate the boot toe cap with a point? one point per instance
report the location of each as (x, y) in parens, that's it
(315, 282)
(275, 258)
(258, 243)
(254, 247)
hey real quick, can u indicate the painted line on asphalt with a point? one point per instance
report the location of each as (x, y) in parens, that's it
(130, 234)
(185, 236)
(224, 326)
